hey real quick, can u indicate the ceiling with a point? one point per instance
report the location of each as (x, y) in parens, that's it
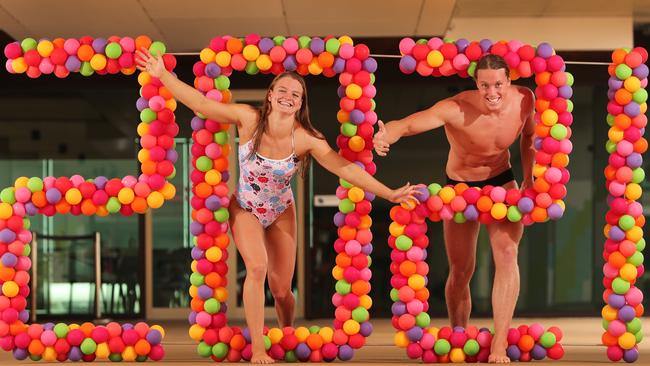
(188, 25)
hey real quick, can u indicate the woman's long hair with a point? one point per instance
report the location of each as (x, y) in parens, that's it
(302, 116)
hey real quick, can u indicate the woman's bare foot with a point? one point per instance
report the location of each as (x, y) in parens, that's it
(261, 358)
(498, 352)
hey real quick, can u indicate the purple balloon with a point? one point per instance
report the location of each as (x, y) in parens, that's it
(339, 219)
(246, 334)
(290, 63)
(31, 209)
(538, 143)
(616, 234)
(127, 326)
(225, 176)
(302, 351)
(223, 308)
(317, 46)
(632, 109)
(75, 354)
(461, 44)
(626, 313)
(634, 160)
(171, 155)
(100, 182)
(205, 292)
(366, 249)
(544, 50)
(631, 355)
(538, 352)
(525, 205)
(340, 91)
(407, 64)
(615, 83)
(366, 329)
(485, 44)
(48, 326)
(154, 337)
(9, 259)
(197, 123)
(345, 353)
(398, 308)
(339, 65)
(369, 196)
(458, 329)
(196, 228)
(555, 211)
(99, 45)
(415, 333)
(471, 213)
(565, 91)
(72, 63)
(640, 71)
(370, 65)
(513, 352)
(357, 117)
(424, 194)
(266, 44)
(192, 317)
(7, 236)
(616, 301)
(197, 253)
(610, 94)
(213, 203)
(53, 195)
(212, 70)
(141, 104)
(20, 354)
(23, 316)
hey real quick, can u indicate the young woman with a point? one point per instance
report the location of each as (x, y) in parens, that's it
(274, 142)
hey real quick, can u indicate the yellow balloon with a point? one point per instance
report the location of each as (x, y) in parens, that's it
(155, 199)
(264, 62)
(401, 340)
(251, 52)
(446, 194)
(98, 62)
(45, 48)
(207, 55)
(213, 254)
(223, 58)
(327, 334)
(125, 195)
(351, 327)
(301, 334)
(196, 332)
(6, 211)
(435, 58)
(355, 194)
(396, 229)
(19, 65)
(73, 196)
(353, 91)
(213, 177)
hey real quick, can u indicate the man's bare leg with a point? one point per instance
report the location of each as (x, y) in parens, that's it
(460, 243)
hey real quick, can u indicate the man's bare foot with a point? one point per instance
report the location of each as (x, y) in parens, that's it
(498, 352)
(261, 358)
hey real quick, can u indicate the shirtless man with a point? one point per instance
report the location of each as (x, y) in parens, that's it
(480, 126)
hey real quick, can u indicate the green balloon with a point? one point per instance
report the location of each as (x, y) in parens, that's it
(290, 356)
(203, 163)
(423, 320)
(442, 347)
(204, 350)
(610, 119)
(35, 184)
(220, 350)
(372, 78)
(278, 40)
(394, 294)
(35, 357)
(638, 175)
(141, 358)
(26, 223)
(221, 137)
(640, 245)
(514, 215)
(8, 195)
(86, 69)
(434, 188)
(304, 41)
(113, 50)
(626, 222)
(623, 71)
(172, 175)
(548, 339)
(28, 44)
(115, 357)
(27, 250)
(569, 79)
(639, 336)
(348, 129)
(620, 286)
(61, 330)
(605, 324)
(610, 146)
(459, 218)
(633, 325)
(559, 131)
(332, 46)
(267, 342)
(88, 346)
(569, 105)
(640, 96)
(222, 82)
(346, 205)
(212, 306)
(221, 215)
(369, 261)
(373, 104)
(197, 279)
(636, 259)
(314, 329)
(157, 48)
(342, 287)
(113, 205)
(421, 41)
(471, 347)
(360, 314)
(403, 243)
(251, 68)
(148, 115)
(471, 69)
(345, 184)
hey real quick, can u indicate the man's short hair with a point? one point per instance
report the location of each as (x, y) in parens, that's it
(492, 62)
